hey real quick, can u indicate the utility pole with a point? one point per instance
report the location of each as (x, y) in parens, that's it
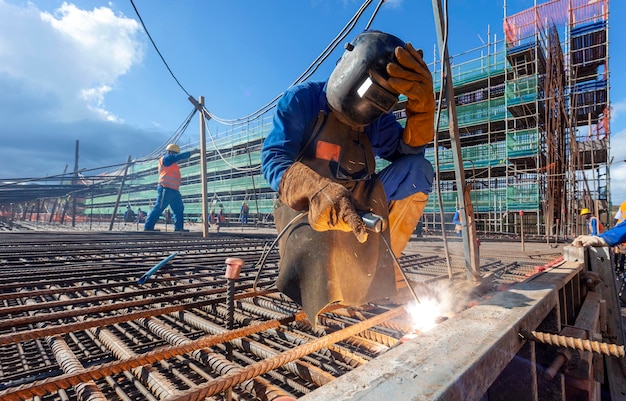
(199, 105)
(56, 200)
(119, 194)
(470, 237)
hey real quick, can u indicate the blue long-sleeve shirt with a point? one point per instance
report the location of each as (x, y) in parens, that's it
(298, 106)
(615, 235)
(592, 225)
(456, 219)
(172, 158)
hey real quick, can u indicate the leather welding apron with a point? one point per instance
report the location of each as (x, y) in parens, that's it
(320, 268)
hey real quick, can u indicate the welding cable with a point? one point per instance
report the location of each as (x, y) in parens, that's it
(261, 263)
(396, 263)
(266, 252)
(369, 23)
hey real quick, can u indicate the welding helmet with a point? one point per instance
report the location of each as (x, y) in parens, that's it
(172, 147)
(584, 211)
(357, 88)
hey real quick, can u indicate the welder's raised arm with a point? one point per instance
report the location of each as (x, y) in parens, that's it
(411, 77)
(329, 203)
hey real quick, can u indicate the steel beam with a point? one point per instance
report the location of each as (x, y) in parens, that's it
(477, 345)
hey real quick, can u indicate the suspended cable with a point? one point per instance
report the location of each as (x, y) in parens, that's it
(436, 140)
(157, 49)
(219, 153)
(311, 69)
(369, 23)
(172, 139)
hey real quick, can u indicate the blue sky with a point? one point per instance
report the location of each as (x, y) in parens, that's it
(85, 70)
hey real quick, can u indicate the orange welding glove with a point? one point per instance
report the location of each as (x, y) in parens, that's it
(411, 77)
(329, 203)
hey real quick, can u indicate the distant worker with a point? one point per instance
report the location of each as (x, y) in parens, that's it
(620, 215)
(218, 218)
(129, 215)
(243, 214)
(212, 216)
(221, 219)
(320, 156)
(141, 216)
(167, 189)
(456, 220)
(593, 225)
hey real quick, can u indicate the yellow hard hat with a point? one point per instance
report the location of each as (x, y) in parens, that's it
(172, 147)
(584, 211)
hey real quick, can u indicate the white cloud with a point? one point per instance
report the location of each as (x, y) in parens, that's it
(95, 101)
(56, 70)
(67, 54)
(617, 110)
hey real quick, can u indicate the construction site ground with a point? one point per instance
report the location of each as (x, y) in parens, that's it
(507, 250)
(86, 252)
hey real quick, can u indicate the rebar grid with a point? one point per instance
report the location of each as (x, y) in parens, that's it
(79, 325)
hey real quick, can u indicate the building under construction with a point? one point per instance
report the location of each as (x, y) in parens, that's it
(179, 316)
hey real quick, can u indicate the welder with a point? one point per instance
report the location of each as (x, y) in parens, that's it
(321, 158)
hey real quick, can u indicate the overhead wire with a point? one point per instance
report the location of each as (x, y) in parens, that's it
(221, 155)
(157, 49)
(311, 69)
(174, 138)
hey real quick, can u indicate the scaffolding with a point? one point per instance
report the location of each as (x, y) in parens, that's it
(563, 91)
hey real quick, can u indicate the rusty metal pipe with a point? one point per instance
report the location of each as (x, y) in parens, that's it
(575, 343)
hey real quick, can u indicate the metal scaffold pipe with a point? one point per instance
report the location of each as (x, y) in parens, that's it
(470, 237)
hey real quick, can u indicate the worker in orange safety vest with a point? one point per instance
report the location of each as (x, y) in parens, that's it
(168, 193)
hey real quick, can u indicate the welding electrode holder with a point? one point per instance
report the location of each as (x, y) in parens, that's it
(373, 222)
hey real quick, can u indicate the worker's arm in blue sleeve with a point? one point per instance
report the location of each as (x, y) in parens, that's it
(594, 226)
(175, 157)
(615, 235)
(456, 220)
(294, 111)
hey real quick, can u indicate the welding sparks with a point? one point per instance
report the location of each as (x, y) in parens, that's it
(426, 314)
(438, 302)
